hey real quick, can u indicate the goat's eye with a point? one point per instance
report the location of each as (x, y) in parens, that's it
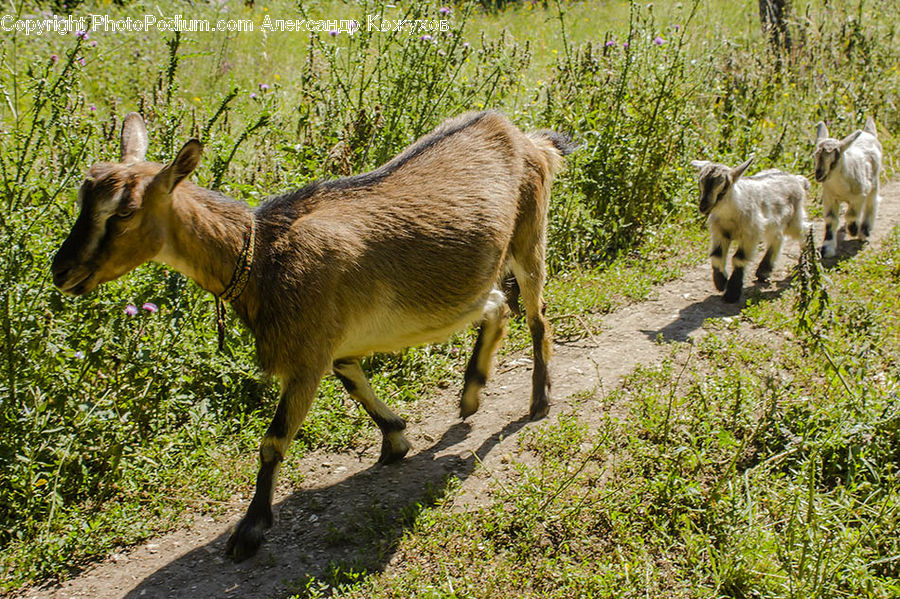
(125, 214)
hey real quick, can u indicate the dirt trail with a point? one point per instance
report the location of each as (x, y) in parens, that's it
(325, 520)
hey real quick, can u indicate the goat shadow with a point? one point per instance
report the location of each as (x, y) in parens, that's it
(355, 523)
(692, 317)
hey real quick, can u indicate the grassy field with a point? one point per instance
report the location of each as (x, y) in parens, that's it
(761, 462)
(111, 426)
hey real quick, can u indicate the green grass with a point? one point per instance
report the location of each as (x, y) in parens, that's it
(111, 425)
(751, 465)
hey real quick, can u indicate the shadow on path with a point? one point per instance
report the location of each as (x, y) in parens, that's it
(355, 523)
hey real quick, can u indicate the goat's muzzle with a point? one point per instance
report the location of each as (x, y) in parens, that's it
(71, 278)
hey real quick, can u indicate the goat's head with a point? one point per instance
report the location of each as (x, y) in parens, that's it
(716, 181)
(125, 208)
(829, 150)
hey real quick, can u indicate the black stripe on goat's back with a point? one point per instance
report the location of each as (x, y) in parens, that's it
(293, 201)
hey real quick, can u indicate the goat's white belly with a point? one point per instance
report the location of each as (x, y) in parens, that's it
(385, 331)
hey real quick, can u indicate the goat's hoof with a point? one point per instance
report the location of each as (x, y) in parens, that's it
(731, 296)
(246, 539)
(719, 280)
(763, 273)
(864, 232)
(539, 410)
(469, 403)
(852, 229)
(394, 448)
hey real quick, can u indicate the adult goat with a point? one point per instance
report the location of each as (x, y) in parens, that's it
(404, 255)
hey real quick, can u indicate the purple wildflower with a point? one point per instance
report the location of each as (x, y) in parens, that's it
(465, 44)
(81, 34)
(444, 10)
(426, 38)
(659, 41)
(81, 60)
(252, 95)
(54, 58)
(150, 307)
(92, 43)
(131, 310)
(264, 87)
(677, 27)
(79, 355)
(92, 108)
(333, 33)
(610, 43)
(624, 44)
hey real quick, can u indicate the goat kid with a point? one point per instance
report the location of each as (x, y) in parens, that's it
(748, 210)
(404, 255)
(848, 170)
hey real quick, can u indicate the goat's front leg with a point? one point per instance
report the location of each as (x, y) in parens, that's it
(718, 251)
(742, 256)
(393, 443)
(829, 245)
(852, 220)
(296, 398)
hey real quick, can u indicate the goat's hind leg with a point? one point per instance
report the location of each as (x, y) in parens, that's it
(393, 442)
(767, 264)
(296, 398)
(531, 277)
(870, 211)
(489, 337)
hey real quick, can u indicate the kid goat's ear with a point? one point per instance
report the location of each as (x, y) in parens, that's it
(845, 143)
(821, 131)
(698, 164)
(183, 165)
(134, 138)
(737, 171)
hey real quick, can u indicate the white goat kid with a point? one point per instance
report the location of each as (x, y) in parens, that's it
(747, 210)
(848, 171)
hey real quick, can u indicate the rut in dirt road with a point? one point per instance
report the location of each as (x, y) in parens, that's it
(345, 497)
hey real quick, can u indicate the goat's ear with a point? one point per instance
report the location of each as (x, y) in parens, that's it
(183, 165)
(821, 131)
(845, 143)
(737, 171)
(698, 164)
(870, 126)
(134, 138)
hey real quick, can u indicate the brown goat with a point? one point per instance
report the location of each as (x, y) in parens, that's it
(404, 255)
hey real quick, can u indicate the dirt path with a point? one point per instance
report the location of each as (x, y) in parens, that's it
(329, 518)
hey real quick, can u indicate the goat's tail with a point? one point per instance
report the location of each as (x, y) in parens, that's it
(553, 145)
(870, 126)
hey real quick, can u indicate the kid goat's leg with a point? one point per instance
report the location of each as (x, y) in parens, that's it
(742, 256)
(393, 443)
(767, 265)
(296, 398)
(489, 336)
(718, 251)
(829, 245)
(870, 211)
